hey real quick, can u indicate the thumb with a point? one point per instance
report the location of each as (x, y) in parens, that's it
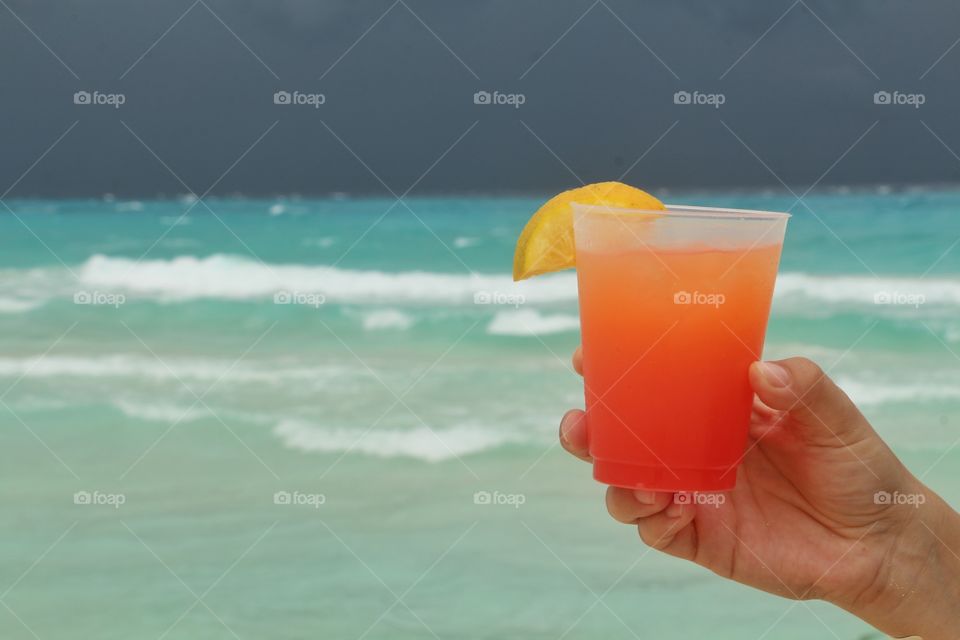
(814, 403)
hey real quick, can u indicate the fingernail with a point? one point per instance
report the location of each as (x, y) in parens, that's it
(645, 497)
(674, 510)
(775, 375)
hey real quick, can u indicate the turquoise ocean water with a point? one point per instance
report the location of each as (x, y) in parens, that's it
(277, 418)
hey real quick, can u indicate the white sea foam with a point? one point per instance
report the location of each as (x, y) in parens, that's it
(872, 392)
(18, 305)
(232, 277)
(387, 319)
(864, 289)
(130, 205)
(462, 242)
(421, 443)
(161, 412)
(133, 366)
(528, 322)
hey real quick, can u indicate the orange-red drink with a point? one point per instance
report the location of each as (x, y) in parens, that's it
(673, 309)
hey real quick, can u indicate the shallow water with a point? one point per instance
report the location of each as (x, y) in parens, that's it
(381, 368)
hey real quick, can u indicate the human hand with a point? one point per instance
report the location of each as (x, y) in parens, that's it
(804, 520)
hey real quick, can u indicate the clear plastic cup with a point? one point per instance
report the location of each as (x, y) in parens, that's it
(673, 309)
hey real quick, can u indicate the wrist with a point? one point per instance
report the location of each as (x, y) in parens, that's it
(915, 588)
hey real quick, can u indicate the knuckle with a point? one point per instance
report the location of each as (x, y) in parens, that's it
(806, 370)
(653, 539)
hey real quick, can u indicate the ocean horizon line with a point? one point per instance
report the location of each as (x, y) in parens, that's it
(771, 190)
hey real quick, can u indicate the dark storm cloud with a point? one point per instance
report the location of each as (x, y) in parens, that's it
(598, 80)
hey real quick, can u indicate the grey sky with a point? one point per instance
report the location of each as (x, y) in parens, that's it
(598, 79)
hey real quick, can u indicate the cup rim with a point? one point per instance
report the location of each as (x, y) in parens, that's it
(691, 211)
